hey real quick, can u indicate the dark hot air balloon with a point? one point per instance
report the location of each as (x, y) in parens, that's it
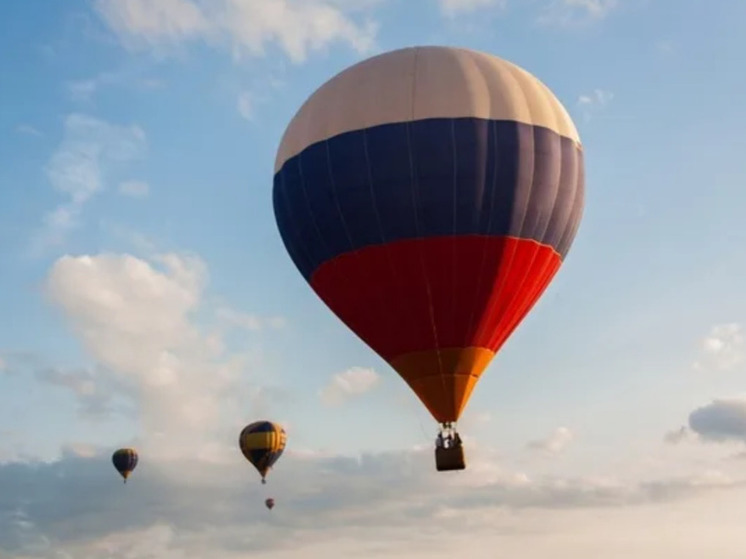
(125, 461)
(429, 195)
(270, 503)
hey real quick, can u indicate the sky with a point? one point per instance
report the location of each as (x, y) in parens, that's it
(147, 299)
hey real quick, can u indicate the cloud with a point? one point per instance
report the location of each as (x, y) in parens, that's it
(93, 395)
(554, 443)
(28, 130)
(298, 27)
(679, 435)
(90, 151)
(389, 504)
(665, 47)
(452, 8)
(11, 362)
(599, 98)
(567, 13)
(134, 189)
(246, 321)
(723, 349)
(137, 319)
(720, 421)
(349, 384)
(245, 105)
(590, 103)
(84, 90)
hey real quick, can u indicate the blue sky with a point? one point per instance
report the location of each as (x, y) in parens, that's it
(147, 297)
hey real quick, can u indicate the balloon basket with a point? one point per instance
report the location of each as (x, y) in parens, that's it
(450, 459)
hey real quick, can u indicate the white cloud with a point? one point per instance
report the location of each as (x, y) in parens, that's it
(84, 90)
(244, 26)
(451, 8)
(599, 98)
(348, 384)
(246, 321)
(90, 151)
(391, 504)
(134, 189)
(554, 443)
(590, 103)
(723, 349)
(136, 319)
(576, 12)
(665, 47)
(154, 20)
(245, 105)
(28, 130)
(92, 395)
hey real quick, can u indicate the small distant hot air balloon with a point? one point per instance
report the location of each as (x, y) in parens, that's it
(262, 444)
(429, 195)
(269, 503)
(125, 461)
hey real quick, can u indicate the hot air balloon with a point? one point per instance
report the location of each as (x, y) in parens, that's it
(125, 461)
(269, 503)
(262, 444)
(429, 195)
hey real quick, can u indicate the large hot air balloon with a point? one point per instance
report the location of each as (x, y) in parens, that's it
(262, 444)
(125, 461)
(429, 195)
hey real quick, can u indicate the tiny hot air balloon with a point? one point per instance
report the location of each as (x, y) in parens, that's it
(269, 503)
(429, 195)
(125, 461)
(262, 443)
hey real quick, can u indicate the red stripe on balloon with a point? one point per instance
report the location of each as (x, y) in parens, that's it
(437, 292)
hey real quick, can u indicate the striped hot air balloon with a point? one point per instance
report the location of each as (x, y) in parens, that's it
(262, 443)
(429, 195)
(125, 461)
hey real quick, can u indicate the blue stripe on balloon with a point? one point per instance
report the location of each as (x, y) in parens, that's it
(434, 177)
(261, 427)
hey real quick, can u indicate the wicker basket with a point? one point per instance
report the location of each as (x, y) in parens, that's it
(447, 459)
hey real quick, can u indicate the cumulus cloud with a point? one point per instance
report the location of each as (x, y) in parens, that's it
(134, 189)
(138, 320)
(721, 420)
(555, 443)
(245, 26)
(576, 12)
(90, 151)
(384, 504)
(724, 348)
(452, 8)
(351, 383)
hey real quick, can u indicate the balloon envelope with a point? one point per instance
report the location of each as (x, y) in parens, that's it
(125, 461)
(429, 195)
(262, 443)
(269, 503)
